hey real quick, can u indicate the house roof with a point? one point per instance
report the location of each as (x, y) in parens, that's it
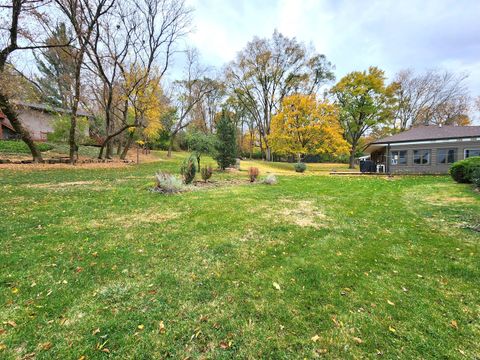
(48, 108)
(5, 122)
(431, 132)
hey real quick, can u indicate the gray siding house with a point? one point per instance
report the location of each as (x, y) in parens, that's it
(38, 119)
(425, 149)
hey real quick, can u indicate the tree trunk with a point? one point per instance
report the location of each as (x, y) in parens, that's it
(119, 147)
(170, 145)
(353, 150)
(198, 162)
(127, 146)
(11, 115)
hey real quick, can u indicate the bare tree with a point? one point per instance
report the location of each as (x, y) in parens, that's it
(188, 93)
(83, 16)
(435, 97)
(267, 70)
(133, 47)
(18, 18)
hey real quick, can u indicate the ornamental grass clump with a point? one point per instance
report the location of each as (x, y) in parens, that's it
(167, 183)
(206, 173)
(271, 179)
(253, 173)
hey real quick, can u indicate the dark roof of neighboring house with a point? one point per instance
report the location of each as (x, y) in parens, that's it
(431, 132)
(4, 121)
(48, 108)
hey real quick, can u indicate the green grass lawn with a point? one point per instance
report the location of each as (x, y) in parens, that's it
(95, 266)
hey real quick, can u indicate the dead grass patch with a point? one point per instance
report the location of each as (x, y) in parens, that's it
(133, 219)
(303, 213)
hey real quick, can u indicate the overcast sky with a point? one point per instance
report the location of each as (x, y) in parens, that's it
(353, 34)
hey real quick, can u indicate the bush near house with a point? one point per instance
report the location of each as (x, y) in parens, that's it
(19, 147)
(476, 177)
(462, 170)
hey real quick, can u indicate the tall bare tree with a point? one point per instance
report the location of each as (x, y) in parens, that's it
(83, 16)
(435, 97)
(188, 93)
(17, 20)
(267, 70)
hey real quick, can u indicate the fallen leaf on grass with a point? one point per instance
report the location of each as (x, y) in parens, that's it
(454, 324)
(15, 290)
(11, 323)
(46, 346)
(390, 303)
(141, 327)
(96, 331)
(357, 340)
(83, 357)
(391, 329)
(225, 345)
(161, 328)
(276, 286)
(315, 338)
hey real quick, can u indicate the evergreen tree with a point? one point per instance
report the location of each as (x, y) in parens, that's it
(226, 146)
(57, 69)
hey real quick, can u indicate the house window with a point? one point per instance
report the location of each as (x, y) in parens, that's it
(472, 152)
(446, 156)
(399, 157)
(421, 157)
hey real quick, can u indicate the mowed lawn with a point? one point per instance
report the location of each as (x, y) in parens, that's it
(94, 266)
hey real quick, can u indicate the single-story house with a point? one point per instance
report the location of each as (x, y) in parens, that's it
(425, 149)
(37, 118)
(7, 132)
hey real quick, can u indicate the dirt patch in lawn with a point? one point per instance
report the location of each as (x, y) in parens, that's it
(62, 184)
(133, 219)
(303, 213)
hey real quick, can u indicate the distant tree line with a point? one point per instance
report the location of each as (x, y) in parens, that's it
(111, 58)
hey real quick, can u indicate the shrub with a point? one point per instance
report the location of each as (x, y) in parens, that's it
(206, 173)
(253, 173)
(300, 167)
(189, 169)
(167, 183)
(19, 147)
(476, 177)
(271, 179)
(462, 170)
(226, 144)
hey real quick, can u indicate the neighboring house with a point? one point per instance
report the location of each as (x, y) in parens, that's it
(37, 118)
(425, 149)
(7, 132)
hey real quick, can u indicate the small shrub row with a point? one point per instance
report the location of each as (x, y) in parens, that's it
(464, 171)
(19, 147)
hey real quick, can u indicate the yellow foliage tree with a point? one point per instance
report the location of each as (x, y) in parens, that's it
(147, 102)
(307, 126)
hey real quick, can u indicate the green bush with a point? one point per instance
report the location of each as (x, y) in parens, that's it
(462, 170)
(19, 147)
(61, 130)
(189, 169)
(476, 177)
(226, 144)
(300, 167)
